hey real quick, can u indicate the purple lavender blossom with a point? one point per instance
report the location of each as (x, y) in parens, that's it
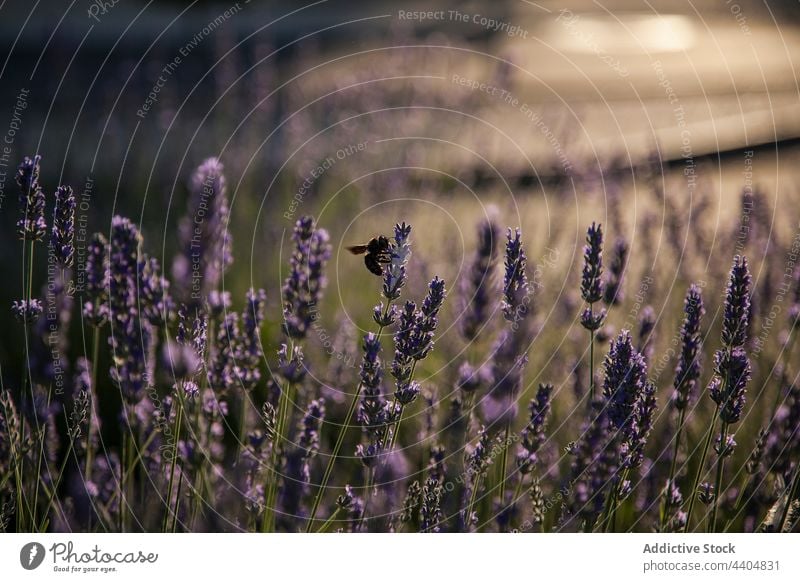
(27, 311)
(783, 438)
(479, 456)
(414, 340)
(63, 234)
(303, 287)
(309, 436)
(731, 363)
(394, 274)
(515, 281)
(728, 388)
(737, 305)
(592, 276)
(431, 506)
(507, 366)
(249, 352)
(32, 226)
(219, 302)
(590, 470)
(205, 242)
(95, 308)
(632, 449)
(476, 288)
(132, 338)
(625, 375)
(291, 365)
(613, 293)
(705, 493)
(533, 434)
(372, 411)
(154, 298)
(687, 372)
(647, 326)
(222, 357)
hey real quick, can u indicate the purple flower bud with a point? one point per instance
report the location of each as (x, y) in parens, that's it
(592, 320)
(205, 242)
(613, 293)
(737, 305)
(591, 279)
(515, 281)
(32, 226)
(394, 274)
(27, 311)
(303, 287)
(96, 307)
(63, 234)
(291, 365)
(728, 388)
(533, 434)
(625, 375)
(476, 287)
(687, 372)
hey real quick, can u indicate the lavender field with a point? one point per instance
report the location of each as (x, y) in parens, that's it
(552, 325)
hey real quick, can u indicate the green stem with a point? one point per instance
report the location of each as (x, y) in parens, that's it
(87, 473)
(611, 522)
(472, 497)
(339, 441)
(284, 401)
(56, 485)
(723, 447)
(177, 504)
(337, 447)
(591, 357)
(176, 437)
(367, 494)
(517, 491)
(42, 433)
(329, 521)
(737, 507)
(673, 466)
(700, 467)
(504, 464)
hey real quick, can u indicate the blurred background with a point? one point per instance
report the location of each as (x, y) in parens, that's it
(652, 117)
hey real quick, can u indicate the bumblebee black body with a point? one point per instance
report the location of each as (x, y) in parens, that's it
(377, 254)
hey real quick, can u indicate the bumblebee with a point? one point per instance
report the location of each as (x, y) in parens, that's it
(376, 254)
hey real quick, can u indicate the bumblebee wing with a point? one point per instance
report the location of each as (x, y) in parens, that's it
(358, 249)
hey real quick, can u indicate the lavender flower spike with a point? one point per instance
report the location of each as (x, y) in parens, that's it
(394, 274)
(613, 293)
(728, 389)
(476, 287)
(737, 305)
(249, 352)
(303, 287)
(27, 312)
(131, 337)
(591, 279)
(687, 372)
(205, 242)
(515, 282)
(31, 226)
(309, 437)
(625, 374)
(95, 308)
(63, 233)
(533, 434)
